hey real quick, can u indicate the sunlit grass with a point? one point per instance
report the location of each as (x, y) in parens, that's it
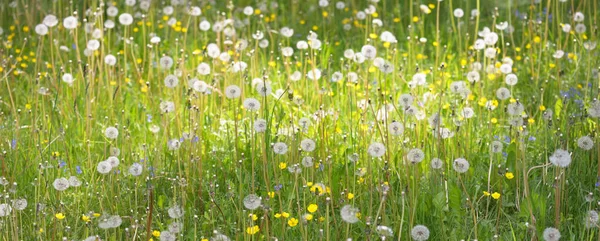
(299, 120)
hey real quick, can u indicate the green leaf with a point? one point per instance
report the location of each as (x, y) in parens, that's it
(558, 107)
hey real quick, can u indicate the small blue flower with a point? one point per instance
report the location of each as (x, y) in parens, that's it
(78, 169)
(13, 144)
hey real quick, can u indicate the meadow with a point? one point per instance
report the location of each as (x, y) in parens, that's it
(299, 120)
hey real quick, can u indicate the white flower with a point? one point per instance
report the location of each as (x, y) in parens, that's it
(252, 201)
(369, 52)
(203, 69)
(111, 132)
(459, 13)
(233, 92)
(551, 234)
(61, 184)
(415, 155)
(135, 169)
(461, 165)
(104, 167)
(376, 149)
(70, 22)
(126, 19)
(419, 233)
(560, 158)
(308, 145)
(349, 213)
(41, 29)
(251, 104)
(585, 142)
(5, 210)
(280, 148)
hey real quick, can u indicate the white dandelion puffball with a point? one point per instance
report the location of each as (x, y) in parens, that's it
(459, 13)
(21, 203)
(111, 133)
(396, 128)
(415, 155)
(314, 74)
(61, 184)
(68, 79)
(70, 22)
(104, 167)
(50, 20)
(308, 145)
(461, 165)
(41, 29)
(349, 213)
(110, 59)
(551, 234)
(369, 51)
(376, 149)
(233, 92)
(203, 69)
(252, 201)
(171, 81)
(135, 169)
(436, 163)
(5, 209)
(419, 233)
(594, 109)
(585, 142)
(251, 104)
(560, 158)
(175, 212)
(280, 148)
(113, 161)
(125, 19)
(74, 181)
(260, 125)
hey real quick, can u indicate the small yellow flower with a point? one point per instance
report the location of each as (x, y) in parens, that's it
(271, 194)
(252, 230)
(308, 216)
(59, 216)
(254, 217)
(96, 215)
(292, 222)
(156, 233)
(496, 195)
(285, 214)
(494, 120)
(85, 218)
(509, 175)
(282, 165)
(312, 208)
(485, 193)
(278, 215)
(350, 196)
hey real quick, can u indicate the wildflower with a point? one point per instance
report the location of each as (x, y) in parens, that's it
(104, 167)
(560, 158)
(252, 201)
(349, 214)
(312, 208)
(415, 155)
(167, 236)
(5, 209)
(70, 22)
(282, 165)
(251, 104)
(307, 217)
(156, 233)
(585, 142)
(436, 163)
(376, 149)
(59, 216)
(384, 231)
(460, 165)
(551, 234)
(350, 196)
(420, 233)
(486, 193)
(496, 195)
(292, 222)
(252, 230)
(61, 184)
(175, 211)
(509, 175)
(280, 148)
(111, 133)
(85, 218)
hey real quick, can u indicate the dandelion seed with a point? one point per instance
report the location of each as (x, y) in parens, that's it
(376, 149)
(560, 158)
(252, 201)
(175, 212)
(125, 19)
(167, 236)
(415, 155)
(18, 204)
(384, 231)
(251, 104)
(70, 22)
(74, 181)
(61, 184)
(419, 233)
(233, 92)
(104, 167)
(111, 133)
(5, 210)
(551, 234)
(585, 142)
(280, 148)
(308, 145)
(460, 165)
(349, 214)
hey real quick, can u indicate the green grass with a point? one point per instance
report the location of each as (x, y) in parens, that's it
(50, 129)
